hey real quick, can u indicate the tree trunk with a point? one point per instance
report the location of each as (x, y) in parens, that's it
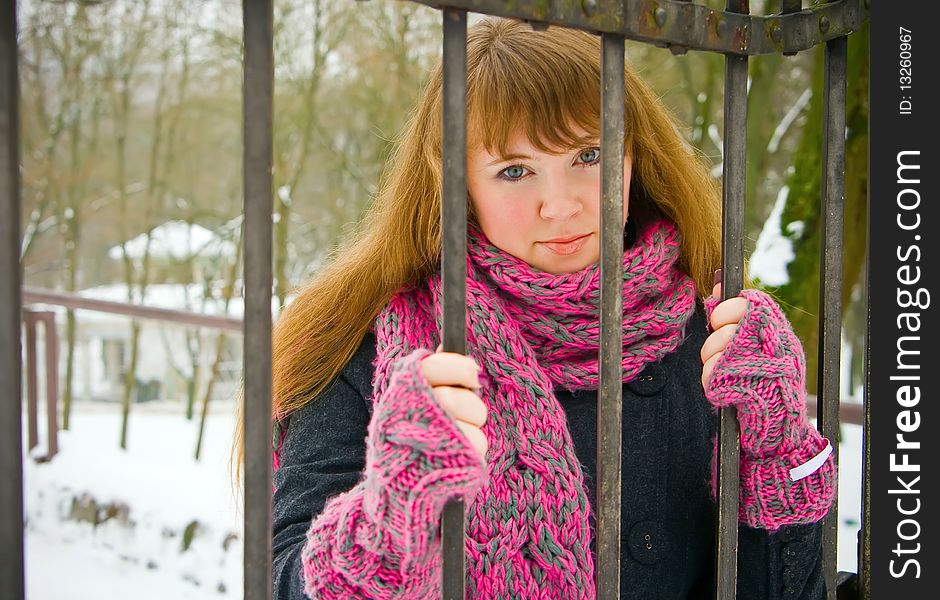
(800, 295)
(227, 292)
(129, 383)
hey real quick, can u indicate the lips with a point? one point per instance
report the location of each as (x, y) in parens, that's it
(568, 245)
(565, 240)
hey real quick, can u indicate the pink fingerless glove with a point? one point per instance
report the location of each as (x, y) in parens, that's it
(761, 373)
(378, 540)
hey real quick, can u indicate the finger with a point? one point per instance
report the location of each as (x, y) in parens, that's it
(716, 290)
(476, 437)
(461, 404)
(708, 368)
(440, 347)
(727, 312)
(718, 341)
(449, 368)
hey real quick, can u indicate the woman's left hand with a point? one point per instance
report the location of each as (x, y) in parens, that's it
(754, 362)
(724, 323)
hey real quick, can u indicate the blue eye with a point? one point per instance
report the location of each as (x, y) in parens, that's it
(513, 173)
(590, 156)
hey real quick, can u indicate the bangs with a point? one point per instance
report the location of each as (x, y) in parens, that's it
(529, 81)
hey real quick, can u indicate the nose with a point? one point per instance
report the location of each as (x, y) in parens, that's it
(560, 200)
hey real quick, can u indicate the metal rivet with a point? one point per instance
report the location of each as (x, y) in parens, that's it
(721, 28)
(824, 24)
(649, 546)
(677, 50)
(660, 15)
(647, 537)
(589, 7)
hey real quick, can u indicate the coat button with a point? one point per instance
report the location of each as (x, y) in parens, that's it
(647, 542)
(649, 382)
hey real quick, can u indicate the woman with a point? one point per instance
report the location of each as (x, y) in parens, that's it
(374, 431)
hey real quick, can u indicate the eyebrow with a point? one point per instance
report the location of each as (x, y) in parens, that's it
(513, 156)
(507, 158)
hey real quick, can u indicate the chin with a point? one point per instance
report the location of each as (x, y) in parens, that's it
(563, 269)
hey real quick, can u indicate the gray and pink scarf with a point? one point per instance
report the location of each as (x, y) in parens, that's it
(532, 332)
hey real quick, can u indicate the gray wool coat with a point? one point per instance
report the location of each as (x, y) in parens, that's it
(668, 515)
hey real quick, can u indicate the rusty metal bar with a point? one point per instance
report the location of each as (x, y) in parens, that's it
(258, 111)
(610, 392)
(830, 272)
(732, 217)
(41, 296)
(11, 440)
(685, 24)
(454, 261)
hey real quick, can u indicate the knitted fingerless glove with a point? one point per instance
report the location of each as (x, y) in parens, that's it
(380, 540)
(761, 373)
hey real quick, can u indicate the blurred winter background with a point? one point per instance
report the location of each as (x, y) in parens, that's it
(131, 152)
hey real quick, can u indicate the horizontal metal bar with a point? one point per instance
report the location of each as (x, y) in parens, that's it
(32, 295)
(685, 25)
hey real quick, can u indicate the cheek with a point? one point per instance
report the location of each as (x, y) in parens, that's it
(505, 223)
(498, 209)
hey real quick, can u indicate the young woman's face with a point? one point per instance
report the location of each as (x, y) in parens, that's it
(532, 204)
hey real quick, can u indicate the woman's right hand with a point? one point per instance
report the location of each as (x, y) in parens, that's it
(453, 378)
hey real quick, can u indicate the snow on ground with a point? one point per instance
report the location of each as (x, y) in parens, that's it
(165, 490)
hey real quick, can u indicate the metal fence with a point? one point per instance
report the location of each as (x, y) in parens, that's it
(679, 25)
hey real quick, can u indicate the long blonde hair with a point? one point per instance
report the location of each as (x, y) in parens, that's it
(539, 82)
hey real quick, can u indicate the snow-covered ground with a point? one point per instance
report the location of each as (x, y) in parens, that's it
(165, 490)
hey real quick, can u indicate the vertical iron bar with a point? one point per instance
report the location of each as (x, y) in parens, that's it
(52, 384)
(732, 223)
(258, 107)
(454, 261)
(610, 392)
(864, 542)
(830, 277)
(11, 440)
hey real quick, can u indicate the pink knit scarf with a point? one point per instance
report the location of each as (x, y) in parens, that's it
(528, 533)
